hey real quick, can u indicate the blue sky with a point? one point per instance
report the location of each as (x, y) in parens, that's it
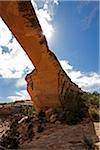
(72, 32)
(79, 40)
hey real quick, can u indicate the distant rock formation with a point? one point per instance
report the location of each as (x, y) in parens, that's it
(48, 84)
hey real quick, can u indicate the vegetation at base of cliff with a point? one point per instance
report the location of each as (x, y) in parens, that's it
(92, 101)
(76, 106)
(27, 110)
(73, 109)
(70, 117)
(88, 141)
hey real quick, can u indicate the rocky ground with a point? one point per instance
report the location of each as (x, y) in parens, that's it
(62, 137)
(22, 128)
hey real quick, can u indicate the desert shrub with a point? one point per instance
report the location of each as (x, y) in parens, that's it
(73, 109)
(71, 117)
(92, 100)
(10, 142)
(95, 100)
(42, 121)
(30, 110)
(27, 110)
(94, 113)
(58, 110)
(89, 143)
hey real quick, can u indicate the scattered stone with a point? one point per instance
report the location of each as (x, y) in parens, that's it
(48, 113)
(1, 128)
(53, 118)
(57, 122)
(24, 118)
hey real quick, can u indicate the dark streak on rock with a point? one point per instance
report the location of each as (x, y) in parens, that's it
(28, 13)
(60, 95)
(43, 40)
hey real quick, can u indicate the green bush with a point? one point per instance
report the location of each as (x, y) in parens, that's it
(72, 117)
(94, 113)
(92, 99)
(89, 143)
(58, 110)
(10, 142)
(95, 100)
(27, 110)
(73, 108)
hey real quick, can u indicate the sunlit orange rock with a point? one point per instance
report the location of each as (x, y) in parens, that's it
(48, 85)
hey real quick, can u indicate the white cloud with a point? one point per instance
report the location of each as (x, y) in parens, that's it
(44, 19)
(65, 64)
(22, 95)
(5, 34)
(21, 82)
(86, 81)
(45, 11)
(14, 62)
(87, 20)
(56, 2)
(90, 15)
(13, 65)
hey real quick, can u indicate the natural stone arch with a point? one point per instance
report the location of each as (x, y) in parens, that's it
(48, 85)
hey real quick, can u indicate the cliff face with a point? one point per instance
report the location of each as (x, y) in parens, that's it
(48, 85)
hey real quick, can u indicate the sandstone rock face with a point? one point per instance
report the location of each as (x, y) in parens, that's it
(48, 85)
